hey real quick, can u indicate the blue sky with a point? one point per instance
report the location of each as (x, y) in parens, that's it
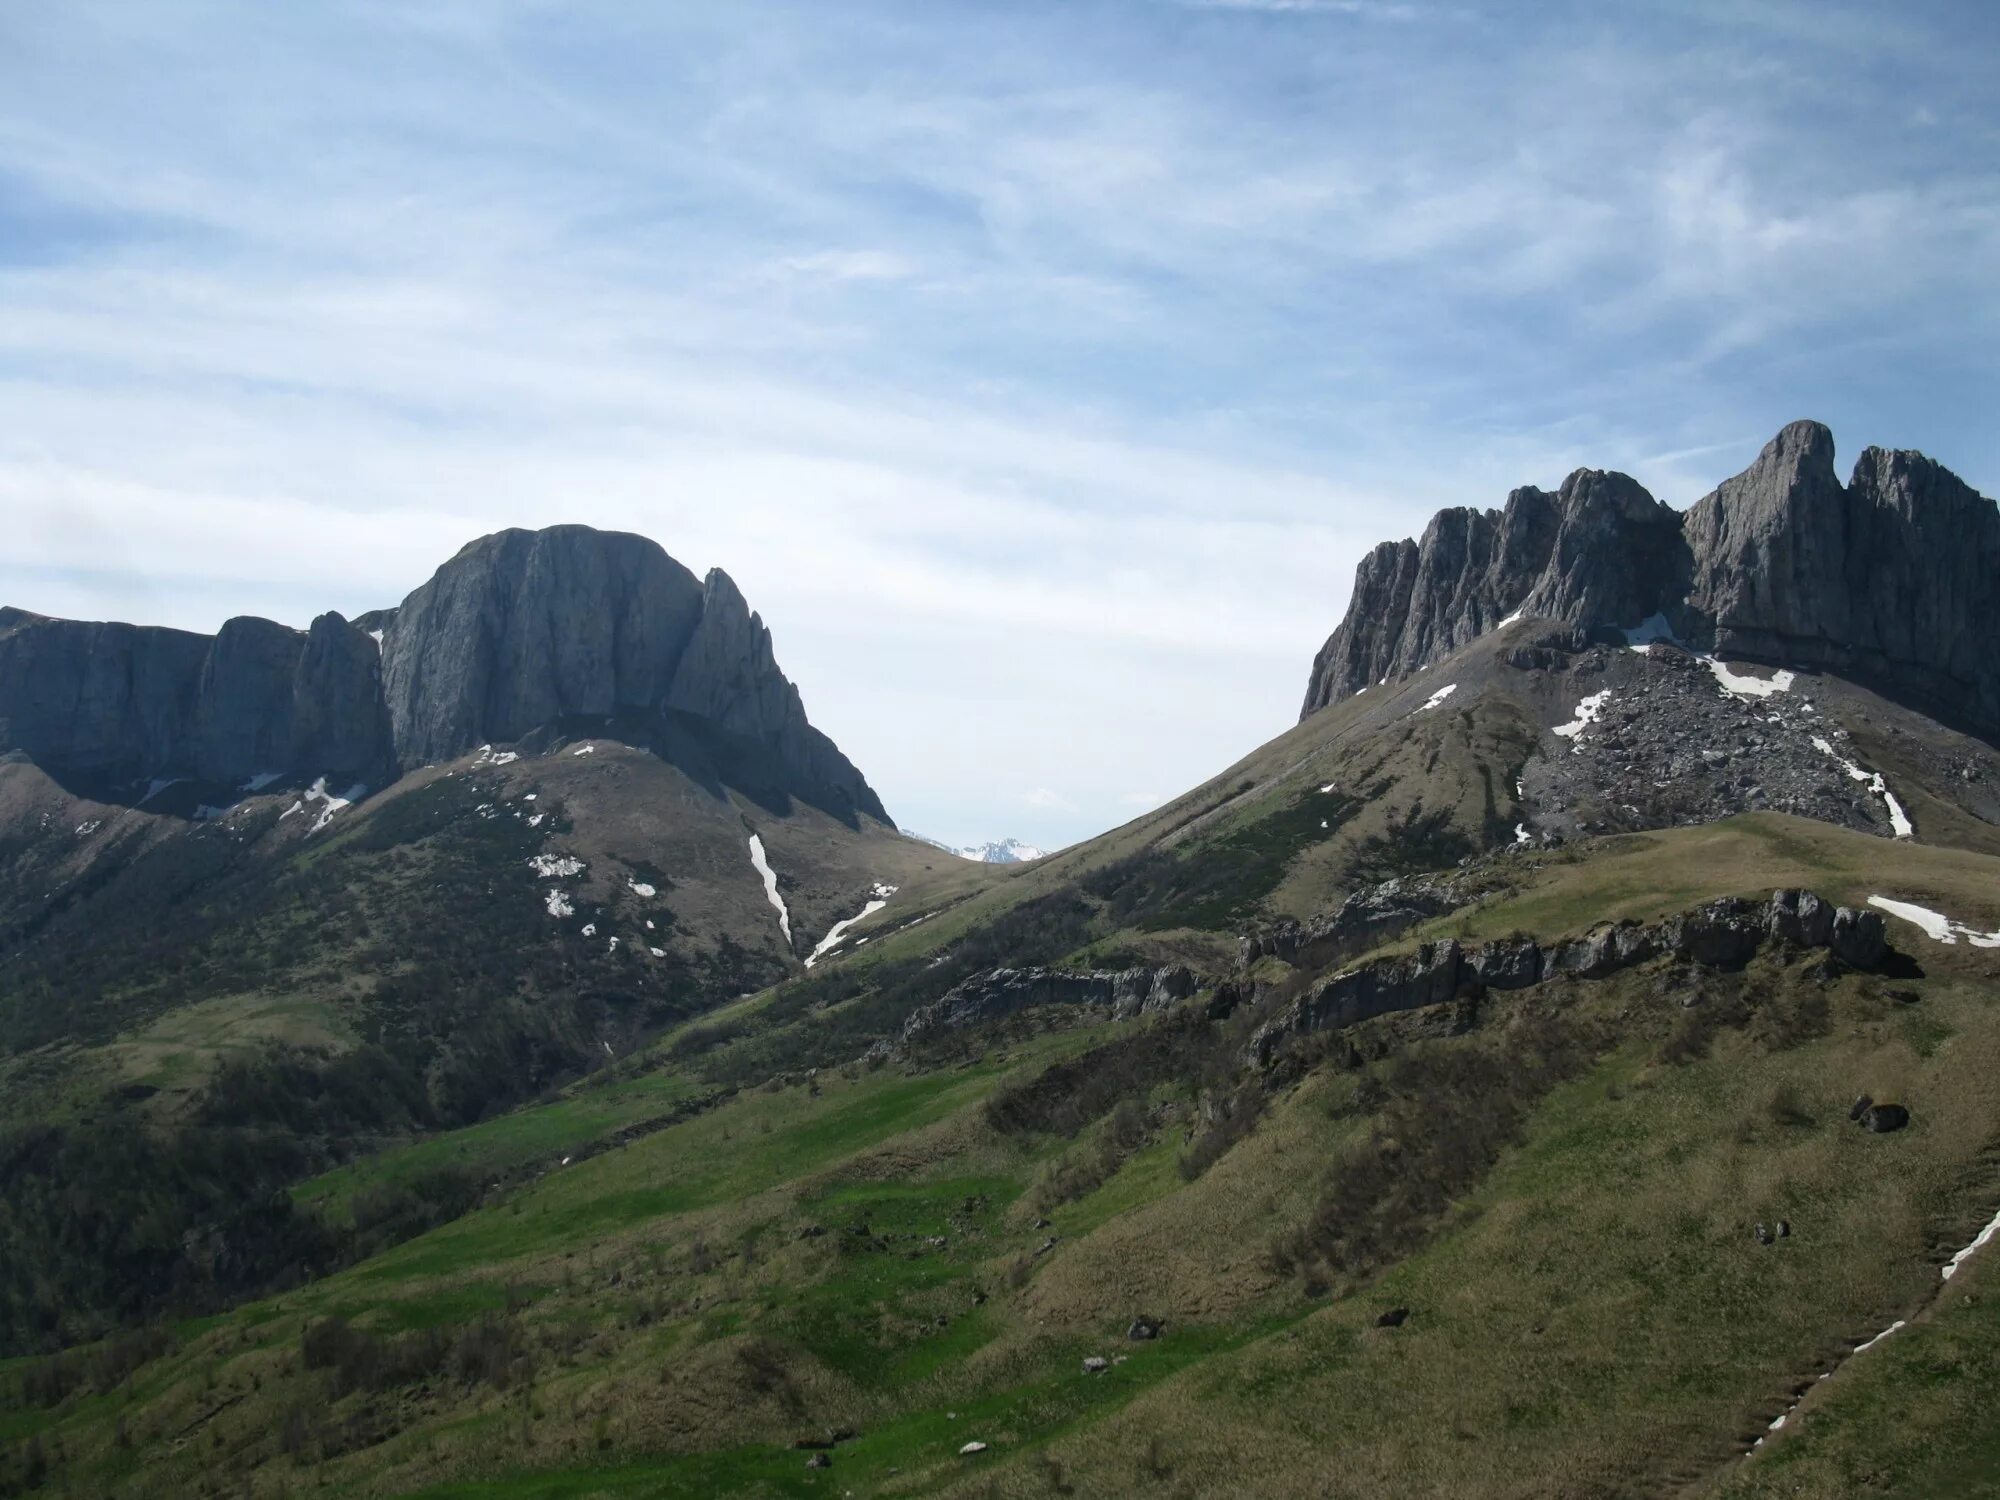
(1039, 370)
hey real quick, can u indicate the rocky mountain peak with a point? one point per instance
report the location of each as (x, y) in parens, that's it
(519, 631)
(1886, 579)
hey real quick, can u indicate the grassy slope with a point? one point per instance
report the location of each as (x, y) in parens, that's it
(1595, 1315)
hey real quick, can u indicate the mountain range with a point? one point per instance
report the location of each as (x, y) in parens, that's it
(520, 632)
(1561, 1063)
(993, 852)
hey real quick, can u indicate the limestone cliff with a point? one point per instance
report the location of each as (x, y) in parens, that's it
(1888, 578)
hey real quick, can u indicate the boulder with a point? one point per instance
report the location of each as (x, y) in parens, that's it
(1860, 937)
(1799, 918)
(1880, 1119)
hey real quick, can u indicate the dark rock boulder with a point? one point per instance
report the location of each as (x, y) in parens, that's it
(1880, 1119)
(1859, 938)
(1801, 919)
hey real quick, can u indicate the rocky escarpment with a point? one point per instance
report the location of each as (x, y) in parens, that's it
(1365, 919)
(125, 701)
(521, 631)
(1003, 992)
(1724, 934)
(1885, 579)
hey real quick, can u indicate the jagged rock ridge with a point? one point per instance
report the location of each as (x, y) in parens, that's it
(1886, 578)
(127, 700)
(520, 631)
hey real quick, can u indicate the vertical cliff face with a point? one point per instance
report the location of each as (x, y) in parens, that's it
(126, 701)
(525, 628)
(1895, 577)
(95, 697)
(1888, 578)
(521, 630)
(340, 719)
(1417, 601)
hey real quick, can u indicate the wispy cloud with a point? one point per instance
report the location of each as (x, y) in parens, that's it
(1376, 9)
(1038, 370)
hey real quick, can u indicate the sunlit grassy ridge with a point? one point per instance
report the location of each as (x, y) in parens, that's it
(864, 1251)
(745, 1234)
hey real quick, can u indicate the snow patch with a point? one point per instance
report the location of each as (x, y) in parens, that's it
(1647, 632)
(1521, 834)
(1438, 697)
(838, 931)
(1510, 619)
(584, 750)
(590, 929)
(317, 792)
(1899, 821)
(488, 756)
(657, 952)
(1900, 1323)
(1587, 713)
(1951, 1266)
(770, 877)
(1328, 787)
(558, 905)
(1749, 687)
(640, 888)
(1935, 924)
(556, 866)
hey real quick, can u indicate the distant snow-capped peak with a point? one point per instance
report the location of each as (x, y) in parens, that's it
(1000, 852)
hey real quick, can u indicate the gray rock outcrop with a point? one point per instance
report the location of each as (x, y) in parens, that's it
(1723, 934)
(1004, 992)
(1367, 917)
(1886, 579)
